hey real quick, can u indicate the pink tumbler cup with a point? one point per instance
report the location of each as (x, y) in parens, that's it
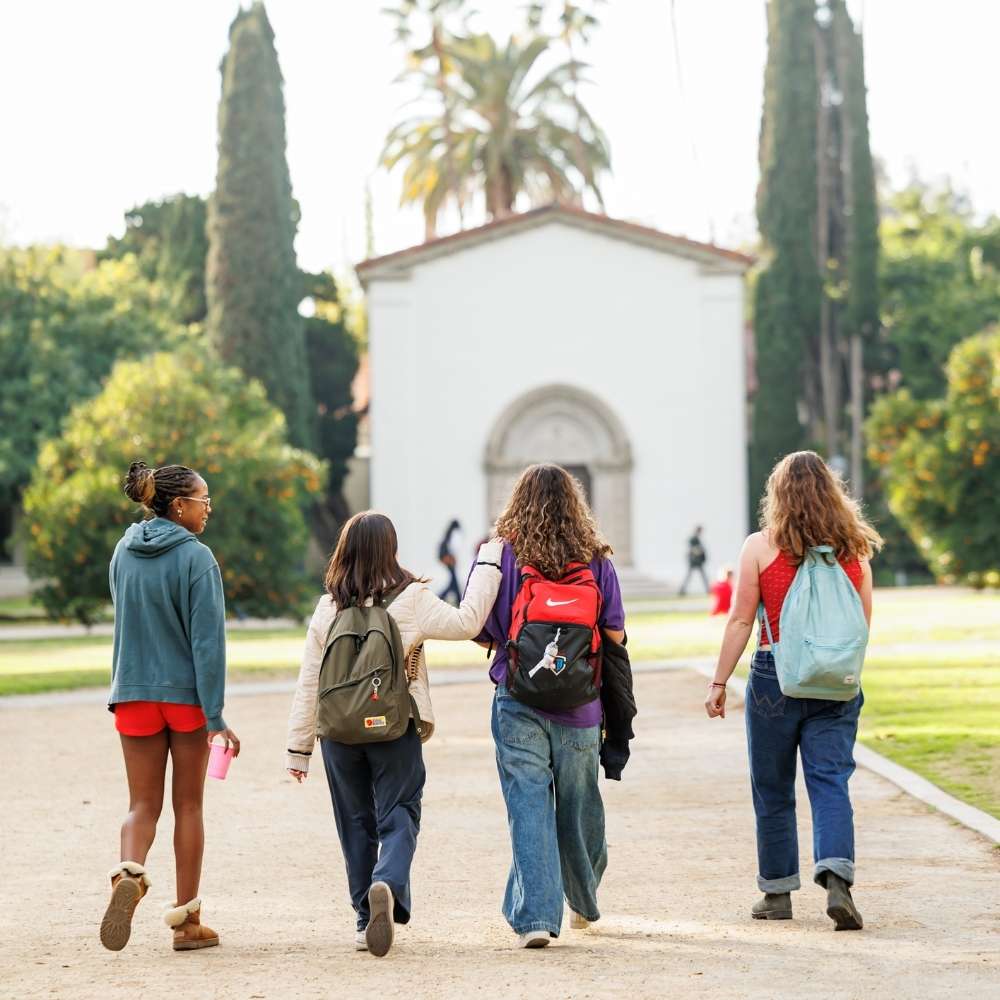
(218, 761)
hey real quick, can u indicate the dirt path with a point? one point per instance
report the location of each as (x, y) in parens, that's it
(675, 898)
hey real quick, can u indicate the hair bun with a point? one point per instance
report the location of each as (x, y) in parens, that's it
(140, 485)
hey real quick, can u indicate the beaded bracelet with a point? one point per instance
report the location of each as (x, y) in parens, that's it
(716, 684)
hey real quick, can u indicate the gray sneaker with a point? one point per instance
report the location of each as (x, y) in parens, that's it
(840, 906)
(380, 930)
(774, 906)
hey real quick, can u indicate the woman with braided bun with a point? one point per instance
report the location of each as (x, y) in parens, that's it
(167, 686)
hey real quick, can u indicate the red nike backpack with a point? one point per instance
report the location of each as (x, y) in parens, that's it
(554, 645)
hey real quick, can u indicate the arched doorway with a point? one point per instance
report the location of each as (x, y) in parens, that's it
(576, 429)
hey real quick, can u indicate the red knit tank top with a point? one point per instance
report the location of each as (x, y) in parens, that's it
(777, 577)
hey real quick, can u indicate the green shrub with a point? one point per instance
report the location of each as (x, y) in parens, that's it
(940, 464)
(184, 408)
(63, 324)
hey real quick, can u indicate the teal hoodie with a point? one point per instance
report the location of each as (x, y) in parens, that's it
(170, 620)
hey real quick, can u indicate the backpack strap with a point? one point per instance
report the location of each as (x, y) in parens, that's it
(822, 554)
(763, 619)
(390, 595)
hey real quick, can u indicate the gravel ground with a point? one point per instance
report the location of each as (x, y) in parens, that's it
(675, 899)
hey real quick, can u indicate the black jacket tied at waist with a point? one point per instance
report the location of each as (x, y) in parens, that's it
(618, 703)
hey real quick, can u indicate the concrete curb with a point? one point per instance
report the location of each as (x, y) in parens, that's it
(920, 788)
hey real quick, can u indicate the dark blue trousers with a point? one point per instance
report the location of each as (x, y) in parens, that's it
(376, 790)
(822, 732)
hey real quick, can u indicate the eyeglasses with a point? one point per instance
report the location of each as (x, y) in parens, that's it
(207, 501)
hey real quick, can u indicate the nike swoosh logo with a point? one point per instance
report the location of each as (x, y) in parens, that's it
(556, 604)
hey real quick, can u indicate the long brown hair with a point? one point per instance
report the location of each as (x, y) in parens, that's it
(806, 504)
(548, 522)
(364, 563)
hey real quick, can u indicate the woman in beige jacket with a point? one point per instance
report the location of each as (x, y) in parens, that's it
(376, 788)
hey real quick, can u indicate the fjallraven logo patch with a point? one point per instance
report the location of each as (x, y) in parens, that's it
(849, 679)
(375, 722)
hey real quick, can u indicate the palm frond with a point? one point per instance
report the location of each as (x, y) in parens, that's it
(497, 127)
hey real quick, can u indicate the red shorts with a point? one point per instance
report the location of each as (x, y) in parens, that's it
(147, 718)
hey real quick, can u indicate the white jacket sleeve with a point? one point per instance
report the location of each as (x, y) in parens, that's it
(436, 619)
(302, 719)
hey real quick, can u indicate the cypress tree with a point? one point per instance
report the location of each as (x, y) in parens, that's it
(253, 284)
(861, 225)
(787, 294)
(860, 321)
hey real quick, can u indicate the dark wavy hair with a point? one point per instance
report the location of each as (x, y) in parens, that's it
(548, 522)
(364, 563)
(155, 489)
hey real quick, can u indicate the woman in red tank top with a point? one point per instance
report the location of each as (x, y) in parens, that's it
(776, 578)
(805, 505)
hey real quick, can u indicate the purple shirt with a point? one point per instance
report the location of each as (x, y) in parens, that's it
(497, 628)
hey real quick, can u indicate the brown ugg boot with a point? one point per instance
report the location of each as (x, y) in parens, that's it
(129, 883)
(189, 932)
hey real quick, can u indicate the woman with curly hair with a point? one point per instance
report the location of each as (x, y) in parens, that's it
(548, 760)
(805, 505)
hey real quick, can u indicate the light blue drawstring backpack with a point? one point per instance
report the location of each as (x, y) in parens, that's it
(823, 632)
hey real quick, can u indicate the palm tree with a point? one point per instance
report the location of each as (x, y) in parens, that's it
(434, 16)
(576, 23)
(504, 135)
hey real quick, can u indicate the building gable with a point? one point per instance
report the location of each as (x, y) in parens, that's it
(399, 265)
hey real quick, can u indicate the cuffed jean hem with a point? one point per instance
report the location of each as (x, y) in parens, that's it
(843, 867)
(778, 885)
(536, 925)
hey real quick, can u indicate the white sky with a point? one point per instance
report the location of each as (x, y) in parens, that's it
(109, 103)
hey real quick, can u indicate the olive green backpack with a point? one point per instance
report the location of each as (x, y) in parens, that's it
(364, 694)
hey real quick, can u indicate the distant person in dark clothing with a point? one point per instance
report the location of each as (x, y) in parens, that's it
(697, 557)
(448, 558)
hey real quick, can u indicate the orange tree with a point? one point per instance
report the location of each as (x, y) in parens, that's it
(940, 463)
(186, 408)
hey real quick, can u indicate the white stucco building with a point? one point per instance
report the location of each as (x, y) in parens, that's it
(559, 335)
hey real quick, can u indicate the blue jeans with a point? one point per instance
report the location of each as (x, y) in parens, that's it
(376, 790)
(823, 732)
(548, 773)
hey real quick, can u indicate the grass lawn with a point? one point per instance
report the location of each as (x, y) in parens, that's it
(938, 715)
(932, 679)
(936, 712)
(57, 664)
(20, 609)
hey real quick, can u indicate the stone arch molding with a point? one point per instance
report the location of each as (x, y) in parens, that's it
(571, 426)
